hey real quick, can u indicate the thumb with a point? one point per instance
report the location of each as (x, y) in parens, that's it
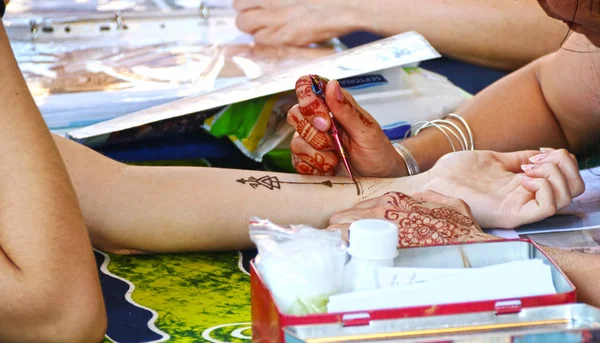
(353, 118)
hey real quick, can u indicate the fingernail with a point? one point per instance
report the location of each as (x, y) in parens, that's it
(538, 158)
(320, 123)
(547, 150)
(339, 95)
(527, 167)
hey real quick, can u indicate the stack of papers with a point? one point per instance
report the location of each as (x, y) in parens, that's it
(410, 287)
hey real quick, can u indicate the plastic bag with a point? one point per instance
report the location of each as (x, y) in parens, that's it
(302, 266)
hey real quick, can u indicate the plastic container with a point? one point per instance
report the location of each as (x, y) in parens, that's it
(373, 244)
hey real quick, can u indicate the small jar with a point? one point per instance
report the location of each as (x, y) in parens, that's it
(373, 244)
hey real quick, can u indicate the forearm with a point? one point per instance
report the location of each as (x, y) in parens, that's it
(45, 253)
(504, 34)
(583, 270)
(173, 209)
(510, 115)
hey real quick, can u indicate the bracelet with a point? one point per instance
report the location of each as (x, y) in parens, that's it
(464, 122)
(411, 163)
(447, 127)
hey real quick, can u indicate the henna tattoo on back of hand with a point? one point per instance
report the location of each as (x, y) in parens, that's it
(419, 225)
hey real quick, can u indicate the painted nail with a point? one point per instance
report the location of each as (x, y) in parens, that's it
(339, 95)
(538, 158)
(547, 150)
(527, 167)
(320, 124)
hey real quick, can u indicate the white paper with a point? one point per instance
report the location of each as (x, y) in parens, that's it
(505, 281)
(403, 49)
(583, 214)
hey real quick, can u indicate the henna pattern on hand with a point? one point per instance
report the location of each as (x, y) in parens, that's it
(303, 82)
(366, 121)
(312, 136)
(318, 161)
(419, 225)
(446, 214)
(311, 109)
(301, 167)
(304, 92)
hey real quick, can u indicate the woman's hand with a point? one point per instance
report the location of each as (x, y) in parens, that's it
(296, 22)
(371, 153)
(507, 190)
(426, 218)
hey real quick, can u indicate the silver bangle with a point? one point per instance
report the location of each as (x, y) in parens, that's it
(411, 163)
(469, 132)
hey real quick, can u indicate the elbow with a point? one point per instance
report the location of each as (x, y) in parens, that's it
(58, 316)
(89, 327)
(79, 318)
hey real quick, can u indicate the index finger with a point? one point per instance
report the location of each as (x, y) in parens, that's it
(514, 160)
(311, 106)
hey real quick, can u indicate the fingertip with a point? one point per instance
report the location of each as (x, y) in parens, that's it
(528, 167)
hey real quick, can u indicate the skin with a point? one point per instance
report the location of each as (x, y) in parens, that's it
(557, 96)
(45, 251)
(509, 34)
(582, 269)
(124, 214)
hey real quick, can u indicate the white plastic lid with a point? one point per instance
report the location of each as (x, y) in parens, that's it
(373, 239)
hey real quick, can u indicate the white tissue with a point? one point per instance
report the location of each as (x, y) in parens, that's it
(301, 266)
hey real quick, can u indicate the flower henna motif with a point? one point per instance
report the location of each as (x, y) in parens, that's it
(417, 229)
(419, 225)
(445, 213)
(301, 166)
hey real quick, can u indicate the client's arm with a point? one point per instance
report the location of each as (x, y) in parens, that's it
(168, 209)
(49, 289)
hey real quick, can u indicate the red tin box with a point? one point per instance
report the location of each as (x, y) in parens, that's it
(268, 322)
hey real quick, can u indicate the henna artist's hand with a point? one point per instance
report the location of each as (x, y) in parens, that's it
(370, 152)
(500, 194)
(426, 218)
(297, 22)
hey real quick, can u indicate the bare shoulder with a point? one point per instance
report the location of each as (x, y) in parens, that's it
(570, 81)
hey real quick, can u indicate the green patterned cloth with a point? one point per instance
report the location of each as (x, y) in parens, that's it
(200, 297)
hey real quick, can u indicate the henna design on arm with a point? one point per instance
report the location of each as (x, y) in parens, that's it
(273, 182)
